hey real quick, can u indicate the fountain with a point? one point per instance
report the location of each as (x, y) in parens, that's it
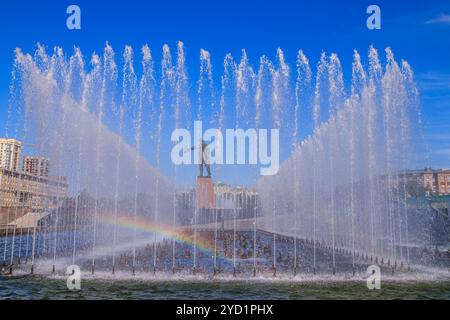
(337, 204)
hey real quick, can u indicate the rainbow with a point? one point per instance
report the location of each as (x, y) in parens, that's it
(144, 225)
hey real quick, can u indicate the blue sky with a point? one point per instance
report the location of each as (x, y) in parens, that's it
(418, 31)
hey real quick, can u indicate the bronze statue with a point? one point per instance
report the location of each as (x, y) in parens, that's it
(202, 147)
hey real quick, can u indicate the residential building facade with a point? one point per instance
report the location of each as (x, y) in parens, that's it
(10, 154)
(36, 166)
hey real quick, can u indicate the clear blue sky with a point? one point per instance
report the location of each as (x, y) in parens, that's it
(418, 31)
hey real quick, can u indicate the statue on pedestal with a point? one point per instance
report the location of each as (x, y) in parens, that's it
(205, 188)
(203, 155)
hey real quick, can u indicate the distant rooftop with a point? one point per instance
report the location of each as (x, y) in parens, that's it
(428, 170)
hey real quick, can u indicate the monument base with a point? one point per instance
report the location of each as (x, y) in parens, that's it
(206, 198)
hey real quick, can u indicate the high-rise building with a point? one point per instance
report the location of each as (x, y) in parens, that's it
(10, 154)
(36, 166)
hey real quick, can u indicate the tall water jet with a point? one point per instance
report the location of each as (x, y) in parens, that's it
(412, 94)
(229, 74)
(108, 53)
(181, 100)
(93, 81)
(245, 77)
(20, 129)
(302, 84)
(129, 103)
(71, 88)
(321, 67)
(166, 84)
(372, 95)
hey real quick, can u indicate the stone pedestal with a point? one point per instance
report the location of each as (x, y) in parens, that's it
(206, 198)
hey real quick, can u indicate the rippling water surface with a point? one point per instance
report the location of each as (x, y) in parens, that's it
(35, 287)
